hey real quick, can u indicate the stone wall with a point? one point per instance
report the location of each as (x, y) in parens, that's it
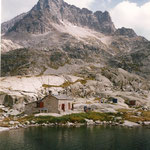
(66, 103)
(31, 108)
(50, 103)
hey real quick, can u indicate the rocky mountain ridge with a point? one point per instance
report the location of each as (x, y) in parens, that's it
(38, 20)
(9, 24)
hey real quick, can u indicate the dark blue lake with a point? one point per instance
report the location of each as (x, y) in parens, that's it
(83, 138)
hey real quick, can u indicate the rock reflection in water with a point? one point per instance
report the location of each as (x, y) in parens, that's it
(83, 138)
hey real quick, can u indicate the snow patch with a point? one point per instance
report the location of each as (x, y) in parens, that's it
(82, 33)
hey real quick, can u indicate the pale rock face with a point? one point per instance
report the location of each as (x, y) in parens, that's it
(3, 129)
(8, 45)
(21, 90)
(30, 84)
(130, 124)
(13, 112)
(17, 91)
(72, 78)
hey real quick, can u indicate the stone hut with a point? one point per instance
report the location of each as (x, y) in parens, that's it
(132, 102)
(50, 104)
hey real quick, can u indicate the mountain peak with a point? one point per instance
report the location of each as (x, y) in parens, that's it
(48, 12)
(44, 4)
(126, 32)
(103, 16)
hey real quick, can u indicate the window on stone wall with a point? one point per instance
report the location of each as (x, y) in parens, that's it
(38, 105)
(69, 107)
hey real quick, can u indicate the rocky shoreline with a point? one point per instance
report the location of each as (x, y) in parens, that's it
(123, 118)
(88, 123)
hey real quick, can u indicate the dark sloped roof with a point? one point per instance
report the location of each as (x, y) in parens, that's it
(63, 97)
(58, 97)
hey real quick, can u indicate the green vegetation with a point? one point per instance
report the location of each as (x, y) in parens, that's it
(146, 115)
(123, 114)
(66, 84)
(1, 110)
(133, 117)
(5, 122)
(58, 59)
(74, 118)
(2, 93)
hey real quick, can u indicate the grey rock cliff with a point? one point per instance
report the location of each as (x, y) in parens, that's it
(125, 32)
(137, 61)
(39, 19)
(9, 24)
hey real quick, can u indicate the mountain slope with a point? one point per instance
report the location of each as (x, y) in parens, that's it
(137, 61)
(9, 24)
(59, 34)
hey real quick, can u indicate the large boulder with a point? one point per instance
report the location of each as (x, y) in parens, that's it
(8, 101)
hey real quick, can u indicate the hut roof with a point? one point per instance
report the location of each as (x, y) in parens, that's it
(58, 97)
(63, 97)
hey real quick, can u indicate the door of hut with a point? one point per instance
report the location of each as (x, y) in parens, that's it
(41, 105)
(132, 103)
(72, 106)
(63, 107)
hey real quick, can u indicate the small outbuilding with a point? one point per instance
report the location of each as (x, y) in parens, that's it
(50, 104)
(113, 100)
(131, 102)
(87, 109)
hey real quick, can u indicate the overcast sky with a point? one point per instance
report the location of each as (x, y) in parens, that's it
(128, 13)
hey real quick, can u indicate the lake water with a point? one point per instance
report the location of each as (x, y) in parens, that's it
(83, 138)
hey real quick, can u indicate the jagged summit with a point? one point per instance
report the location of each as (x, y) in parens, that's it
(55, 7)
(42, 4)
(126, 32)
(46, 12)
